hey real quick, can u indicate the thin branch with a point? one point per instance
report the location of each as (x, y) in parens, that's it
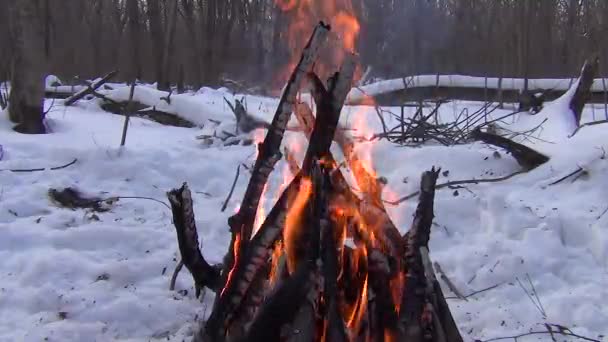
(474, 293)
(178, 268)
(448, 282)
(43, 168)
(589, 124)
(236, 178)
(459, 182)
(133, 197)
(579, 169)
(563, 332)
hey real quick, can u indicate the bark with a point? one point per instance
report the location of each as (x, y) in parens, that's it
(158, 39)
(28, 67)
(246, 266)
(583, 91)
(164, 83)
(133, 24)
(185, 225)
(424, 314)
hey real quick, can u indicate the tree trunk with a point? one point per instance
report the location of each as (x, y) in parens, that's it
(27, 78)
(169, 46)
(134, 71)
(158, 40)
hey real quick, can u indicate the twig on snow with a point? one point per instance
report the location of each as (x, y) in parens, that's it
(44, 168)
(236, 178)
(533, 296)
(116, 198)
(178, 268)
(588, 124)
(579, 169)
(561, 330)
(477, 292)
(459, 182)
(448, 282)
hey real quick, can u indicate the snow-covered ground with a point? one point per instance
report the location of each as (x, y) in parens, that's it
(77, 276)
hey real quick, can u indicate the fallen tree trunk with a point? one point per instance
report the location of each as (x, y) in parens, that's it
(143, 111)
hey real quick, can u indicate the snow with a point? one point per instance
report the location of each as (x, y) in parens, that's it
(52, 81)
(67, 276)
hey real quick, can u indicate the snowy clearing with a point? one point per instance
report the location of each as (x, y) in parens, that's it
(79, 276)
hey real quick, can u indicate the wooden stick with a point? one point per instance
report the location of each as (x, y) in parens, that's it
(583, 91)
(44, 168)
(236, 178)
(187, 236)
(459, 182)
(415, 291)
(242, 223)
(178, 268)
(89, 90)
(127, 114)
(269, 152)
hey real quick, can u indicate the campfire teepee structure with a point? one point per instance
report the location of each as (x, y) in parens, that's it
(326, 264)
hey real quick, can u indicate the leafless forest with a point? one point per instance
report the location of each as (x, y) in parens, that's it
(205, 42)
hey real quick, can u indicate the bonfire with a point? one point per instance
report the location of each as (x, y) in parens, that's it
(326, 263)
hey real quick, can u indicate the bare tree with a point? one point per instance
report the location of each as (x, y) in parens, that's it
(28, 66)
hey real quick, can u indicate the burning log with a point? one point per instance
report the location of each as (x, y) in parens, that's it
(183, 218)
(294, 301)
(235, 269)
(271, 230)
(424, 313)
(269, 151)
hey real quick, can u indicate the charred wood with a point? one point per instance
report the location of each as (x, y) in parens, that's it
(525, 156)
(204, 274)
(269, 151)
(424, 313)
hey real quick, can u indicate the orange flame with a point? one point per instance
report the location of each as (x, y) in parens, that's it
(236, 246)
(357, 311)
(292, 231)
(304, 14)
(274, 267)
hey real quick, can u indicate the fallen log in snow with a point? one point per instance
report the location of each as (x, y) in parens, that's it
(424, 87)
